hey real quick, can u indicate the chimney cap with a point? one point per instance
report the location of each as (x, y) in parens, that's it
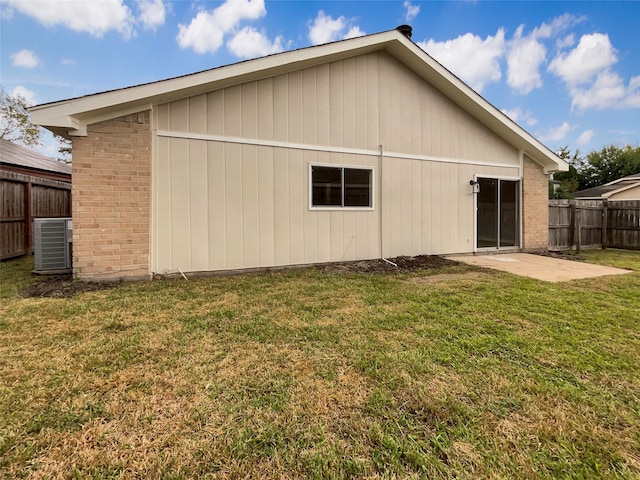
(406, 30)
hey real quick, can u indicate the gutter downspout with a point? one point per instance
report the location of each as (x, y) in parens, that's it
(382, 257)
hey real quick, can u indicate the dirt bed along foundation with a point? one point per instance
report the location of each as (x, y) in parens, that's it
(62, 286)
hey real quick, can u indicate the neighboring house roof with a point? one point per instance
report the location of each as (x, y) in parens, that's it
(612, 188)
(19, 156)
(71, 117)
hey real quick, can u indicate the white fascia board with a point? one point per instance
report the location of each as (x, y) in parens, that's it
(64, 121)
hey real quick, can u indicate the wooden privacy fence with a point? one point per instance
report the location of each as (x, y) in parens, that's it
(594, 224)
(23, 198)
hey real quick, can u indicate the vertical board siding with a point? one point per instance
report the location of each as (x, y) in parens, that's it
(198, 206)
(362, 102)
(180, 193)
(226, 206)
(266, 216)
(217, 204)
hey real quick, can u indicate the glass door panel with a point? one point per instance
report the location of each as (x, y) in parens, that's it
(498, 207)
(487, 213)
(509, 207)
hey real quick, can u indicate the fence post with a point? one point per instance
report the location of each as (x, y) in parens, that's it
(572, 223)
(27, 217)
(579, 236)
(605, 222)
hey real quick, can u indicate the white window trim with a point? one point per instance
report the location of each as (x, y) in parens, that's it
(342, 209)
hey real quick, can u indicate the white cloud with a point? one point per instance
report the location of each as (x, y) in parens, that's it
(249, 43)
(325, 29)
(527, 53)
(470, 57)
(25, 58)
(518, 116)
(6, 12)
(593, 54)
(568, 41)
(354, 32)
(632, 95)
(557, 134)
(585, 137)
(95, 18)
(607, 91)
(525, 56)
(28, 95)
(412, 10)
(557, 25)
(586, 69)
(152, 13)
(206, 31)
(49, 145)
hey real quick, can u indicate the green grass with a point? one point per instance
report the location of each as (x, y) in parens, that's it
(305, 374)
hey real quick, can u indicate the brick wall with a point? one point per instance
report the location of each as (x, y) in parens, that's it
(535, 206)
(112, 199)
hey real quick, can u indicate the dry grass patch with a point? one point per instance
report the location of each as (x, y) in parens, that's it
(456, 278)
(320, 374)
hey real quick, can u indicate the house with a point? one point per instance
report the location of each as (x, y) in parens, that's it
(625, 188)
(22, 160)
(32, 185)
(358, 149)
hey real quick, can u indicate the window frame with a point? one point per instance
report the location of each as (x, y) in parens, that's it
(342, 207)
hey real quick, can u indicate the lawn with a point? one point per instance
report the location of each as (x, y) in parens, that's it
(453, 372)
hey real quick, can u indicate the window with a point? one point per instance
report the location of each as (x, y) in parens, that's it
(341, 187)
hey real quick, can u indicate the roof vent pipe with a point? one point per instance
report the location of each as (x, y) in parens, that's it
(406, 30)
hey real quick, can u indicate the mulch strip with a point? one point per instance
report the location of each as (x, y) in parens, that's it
(64, 286)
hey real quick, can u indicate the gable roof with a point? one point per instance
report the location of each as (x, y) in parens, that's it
(71, 117)
(611, 188)
(17, 155)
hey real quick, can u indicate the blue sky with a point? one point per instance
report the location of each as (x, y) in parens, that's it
(568, 72)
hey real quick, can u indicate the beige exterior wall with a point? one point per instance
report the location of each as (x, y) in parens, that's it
(361, 103)
(226, 206)
(632, 193)
(111, 199)
(228, 184)
(535, 206)
(231, 169)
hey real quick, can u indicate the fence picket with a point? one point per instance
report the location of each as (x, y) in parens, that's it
(614, 224)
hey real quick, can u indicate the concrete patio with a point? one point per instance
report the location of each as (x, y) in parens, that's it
(539, 267)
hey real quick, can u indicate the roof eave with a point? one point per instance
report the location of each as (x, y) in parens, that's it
(72, 116)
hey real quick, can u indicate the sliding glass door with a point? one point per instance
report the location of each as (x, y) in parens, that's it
(498, 213)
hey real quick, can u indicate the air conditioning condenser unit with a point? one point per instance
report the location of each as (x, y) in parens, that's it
(52, 245)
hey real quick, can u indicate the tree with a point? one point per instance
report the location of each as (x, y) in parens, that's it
(64, 149)
(597, 168)
(609, 164)
(15, 122)
(570, 180)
